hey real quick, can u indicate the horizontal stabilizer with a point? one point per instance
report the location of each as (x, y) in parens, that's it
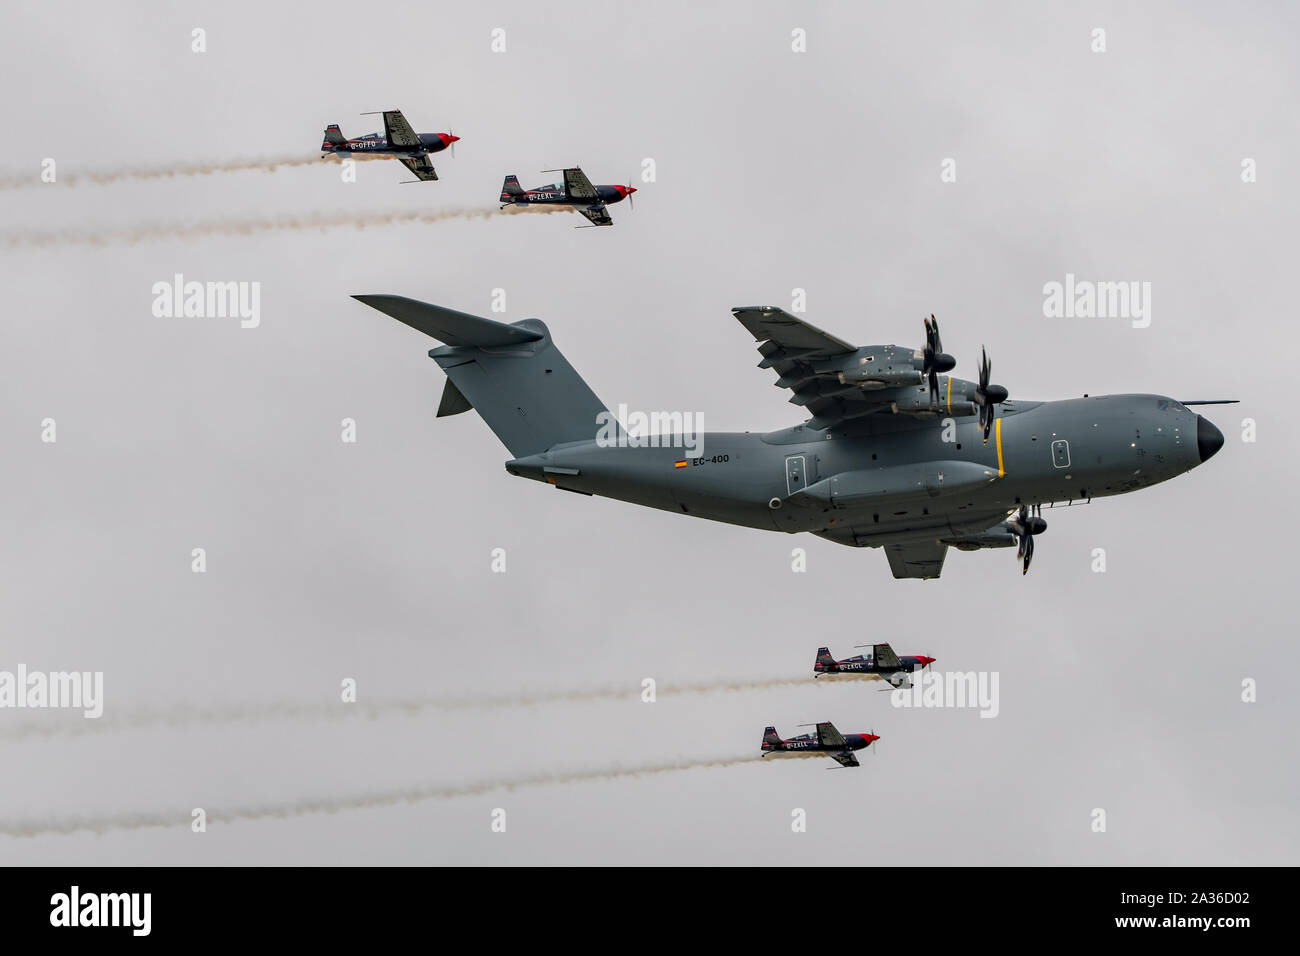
(447, 325)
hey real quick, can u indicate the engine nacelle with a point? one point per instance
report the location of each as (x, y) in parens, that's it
(875, 376)
(883, 366)
(996, 538)
(917, 402)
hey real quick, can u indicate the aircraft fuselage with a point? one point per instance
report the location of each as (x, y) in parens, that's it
(558, 197)
(808, 745)
(891, 477)
(429, 143)
(867, 668)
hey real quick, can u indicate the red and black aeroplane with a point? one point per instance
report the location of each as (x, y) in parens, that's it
(827, 741)
(398, 140)
(881, 663)
(577, 192)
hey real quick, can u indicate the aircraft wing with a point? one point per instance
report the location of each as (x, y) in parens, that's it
(598, 215)
(921, 559)
(801, 353)
(846, 758)
(420, 166)
(578, 186)
(783, 330)
(886, 659)
(398, 130)
(830, 738)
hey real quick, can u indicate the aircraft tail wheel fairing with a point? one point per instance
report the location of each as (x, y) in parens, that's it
(774, 504)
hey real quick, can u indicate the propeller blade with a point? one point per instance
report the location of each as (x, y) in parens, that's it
(1026, 524)
(987, 395)
(935, 360)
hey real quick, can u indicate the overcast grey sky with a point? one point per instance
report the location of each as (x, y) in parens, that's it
(776, 170)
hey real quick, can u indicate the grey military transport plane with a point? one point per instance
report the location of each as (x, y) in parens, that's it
(895, 454)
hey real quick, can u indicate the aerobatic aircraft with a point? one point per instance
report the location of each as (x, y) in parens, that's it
(398, 140)
(880, 663)
(825, 741)
(577, 191)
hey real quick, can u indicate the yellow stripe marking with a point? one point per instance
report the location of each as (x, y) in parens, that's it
(950, 395)
(997, 422)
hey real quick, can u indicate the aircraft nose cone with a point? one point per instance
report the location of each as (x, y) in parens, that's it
(926, 661)
(1208, 438)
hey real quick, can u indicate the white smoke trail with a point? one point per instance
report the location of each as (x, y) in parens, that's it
(256, 712)
(105, 177)
(366, 801)
(317, 222)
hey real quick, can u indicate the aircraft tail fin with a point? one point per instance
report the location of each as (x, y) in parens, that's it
(823, 658)
(512, 375)
(771, 739)
(333, 137)
(510, 189)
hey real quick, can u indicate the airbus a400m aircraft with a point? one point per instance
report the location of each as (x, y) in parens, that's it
(896, 454)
